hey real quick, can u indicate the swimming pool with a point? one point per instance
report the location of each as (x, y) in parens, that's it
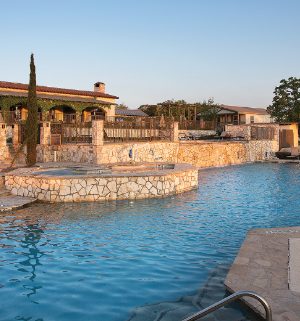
(135, 260)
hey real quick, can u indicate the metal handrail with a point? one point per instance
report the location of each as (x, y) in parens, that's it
(229, 299)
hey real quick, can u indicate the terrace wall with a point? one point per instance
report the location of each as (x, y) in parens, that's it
(198, 153)
(214, 154)
(198, 132)
(79, 153)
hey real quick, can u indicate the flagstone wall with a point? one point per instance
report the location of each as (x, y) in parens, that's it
(80, 188)
(198, 153)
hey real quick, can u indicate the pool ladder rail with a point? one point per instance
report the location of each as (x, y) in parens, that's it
(235, 296)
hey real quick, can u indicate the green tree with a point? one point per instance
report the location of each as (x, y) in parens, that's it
(150, 110)
(208, 110)
(180, 109)
(31, 126)
(122, 106)
(286, 102)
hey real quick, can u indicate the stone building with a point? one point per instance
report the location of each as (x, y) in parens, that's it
(57, 104)
(238, 115)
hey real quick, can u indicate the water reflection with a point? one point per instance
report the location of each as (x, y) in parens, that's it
(153, 254)
(33, 254)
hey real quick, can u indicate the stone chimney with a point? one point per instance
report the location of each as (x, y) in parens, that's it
(99, 87)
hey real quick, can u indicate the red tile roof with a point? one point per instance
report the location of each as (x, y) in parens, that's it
(75, 92)
(59, 98)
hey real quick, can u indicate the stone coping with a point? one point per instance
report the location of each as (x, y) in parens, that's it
(177, 142)
(294, 264)
(262, 266)
(213, 141)
(34, 171)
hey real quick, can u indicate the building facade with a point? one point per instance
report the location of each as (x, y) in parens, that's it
(56, 104)
(238, 115)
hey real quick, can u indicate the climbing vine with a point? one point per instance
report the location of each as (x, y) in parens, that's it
(46, 104)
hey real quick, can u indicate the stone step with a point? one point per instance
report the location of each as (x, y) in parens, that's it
(10, 202)
(4, 192)
(212, 291)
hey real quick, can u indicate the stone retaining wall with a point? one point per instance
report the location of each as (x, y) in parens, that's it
(198, 132)
(198, 153)
(2, 181)
(261, 149)
(225, 153)
(4, 154)
(202, 154)
(141, 152)
(10, 152)
(161, 183)
(79, 153)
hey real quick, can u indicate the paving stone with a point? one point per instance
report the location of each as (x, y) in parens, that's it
(294, 264)
(262, 266)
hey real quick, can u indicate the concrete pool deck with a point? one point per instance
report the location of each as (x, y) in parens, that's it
(264, 264)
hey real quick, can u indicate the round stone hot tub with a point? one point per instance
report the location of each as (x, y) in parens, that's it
(80, 183)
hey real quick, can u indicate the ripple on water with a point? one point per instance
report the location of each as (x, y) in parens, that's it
(140, 260)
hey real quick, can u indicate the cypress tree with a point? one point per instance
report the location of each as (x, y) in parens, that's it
(31, 126)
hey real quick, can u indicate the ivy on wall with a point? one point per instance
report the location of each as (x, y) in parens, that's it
(46, 104)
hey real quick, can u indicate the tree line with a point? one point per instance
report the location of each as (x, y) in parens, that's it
(180, 109)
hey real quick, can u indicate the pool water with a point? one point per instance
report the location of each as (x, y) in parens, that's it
(155, 259)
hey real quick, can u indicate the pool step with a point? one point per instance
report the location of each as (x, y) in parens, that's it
(9, 202)
(4, 192)
(209, 293)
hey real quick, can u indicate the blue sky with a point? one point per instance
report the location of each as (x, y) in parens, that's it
(148, 51)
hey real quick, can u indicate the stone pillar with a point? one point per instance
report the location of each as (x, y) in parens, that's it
(15, 134)
(45, 133)
(248, 133)
(175, 131)
(98, 132)
(97, 139)
(2, 135)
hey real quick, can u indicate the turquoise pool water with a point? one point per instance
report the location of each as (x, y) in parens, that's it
(155, 259)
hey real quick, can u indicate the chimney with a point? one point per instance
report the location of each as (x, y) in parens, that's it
(99, 87)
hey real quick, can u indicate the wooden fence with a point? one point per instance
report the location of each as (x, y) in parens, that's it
(196, 125)
(71, 133)
(262, 133)
(124, 129)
